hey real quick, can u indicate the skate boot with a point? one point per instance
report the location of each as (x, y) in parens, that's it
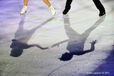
(24, 10)
(52, 9)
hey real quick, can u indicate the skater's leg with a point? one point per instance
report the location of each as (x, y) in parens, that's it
(50, 6)
(24, 9)
(47, 3)
(25, 2)
(100, 7)
(67, 7)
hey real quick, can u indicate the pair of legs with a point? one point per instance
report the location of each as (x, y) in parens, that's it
(97, 3)
(45, 1)
(23, 11)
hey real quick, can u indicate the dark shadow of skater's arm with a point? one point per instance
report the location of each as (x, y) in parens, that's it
(38, 46)
(22, 45)
(92, 46)
(57, 44)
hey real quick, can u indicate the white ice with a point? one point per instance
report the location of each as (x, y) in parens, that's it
(39, 27)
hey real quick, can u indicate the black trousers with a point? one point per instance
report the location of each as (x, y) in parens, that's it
(97, 3)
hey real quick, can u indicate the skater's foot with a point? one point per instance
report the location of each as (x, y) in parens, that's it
(24, 10)
(52, 9)
(102, 13)
(66, 10)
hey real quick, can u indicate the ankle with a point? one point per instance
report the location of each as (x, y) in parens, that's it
(51, 6)
(24, 6)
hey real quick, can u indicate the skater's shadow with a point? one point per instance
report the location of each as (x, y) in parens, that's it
(76, 41)
(22, 36)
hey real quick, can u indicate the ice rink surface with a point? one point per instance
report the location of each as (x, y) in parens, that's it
(82, 24)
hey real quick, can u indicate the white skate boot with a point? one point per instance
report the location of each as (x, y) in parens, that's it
(52, 9)
(24, 10)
